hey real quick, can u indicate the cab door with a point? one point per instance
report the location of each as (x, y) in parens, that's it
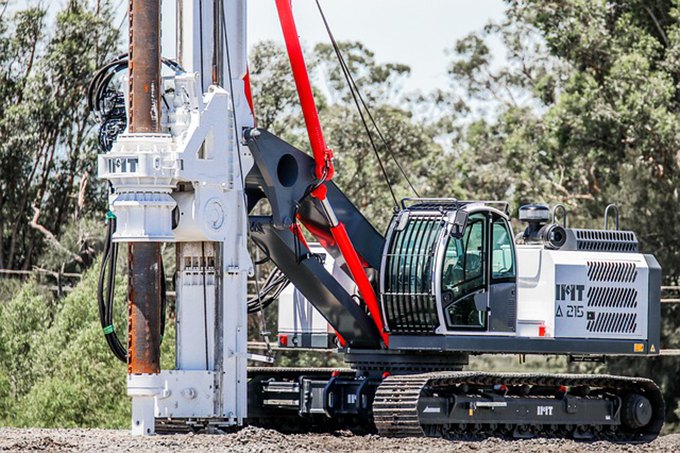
(478, 276)
(464, 277)
(502, 275)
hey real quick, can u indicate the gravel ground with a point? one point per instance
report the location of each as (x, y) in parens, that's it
(257, 440)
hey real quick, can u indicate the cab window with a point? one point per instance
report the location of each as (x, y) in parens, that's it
(464, 275)
(502, 253)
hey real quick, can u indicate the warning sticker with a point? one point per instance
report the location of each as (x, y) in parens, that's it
(639, 347)
(652, 348)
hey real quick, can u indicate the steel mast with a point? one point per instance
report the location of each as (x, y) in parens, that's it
(177, 175)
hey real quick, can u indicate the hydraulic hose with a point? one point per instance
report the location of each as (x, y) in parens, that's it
(106, 292)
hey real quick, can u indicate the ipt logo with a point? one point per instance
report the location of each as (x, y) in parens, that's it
(569, 301)
(544, 410)
(568, 292)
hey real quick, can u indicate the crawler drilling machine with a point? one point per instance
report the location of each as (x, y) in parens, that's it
(186, 164)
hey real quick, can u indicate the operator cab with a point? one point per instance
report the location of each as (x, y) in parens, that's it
(449, 267)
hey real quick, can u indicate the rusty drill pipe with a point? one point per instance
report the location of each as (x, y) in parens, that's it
(144, 280)
(145, 66)
(144, 331)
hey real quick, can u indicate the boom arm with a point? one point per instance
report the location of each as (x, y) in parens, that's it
(283, 175)
(324, 165)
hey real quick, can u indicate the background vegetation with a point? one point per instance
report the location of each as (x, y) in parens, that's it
(583, 109)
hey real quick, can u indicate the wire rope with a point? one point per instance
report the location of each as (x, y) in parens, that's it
(359, 99)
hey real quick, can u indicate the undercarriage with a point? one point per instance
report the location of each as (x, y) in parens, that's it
(458, 405)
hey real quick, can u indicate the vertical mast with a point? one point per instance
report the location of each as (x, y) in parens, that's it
(201, 24)
(144, 283)
(187, 166)
(212, 322)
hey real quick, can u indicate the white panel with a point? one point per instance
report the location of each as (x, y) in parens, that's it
(535, 282)
(186, 394)
(582, 294)
(191, 334)
(296, 314)
(600, 295)
(234, 379)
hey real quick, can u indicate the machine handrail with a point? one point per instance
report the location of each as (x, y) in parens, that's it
(505, 204)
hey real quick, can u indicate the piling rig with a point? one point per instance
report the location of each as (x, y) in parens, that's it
(187, 165)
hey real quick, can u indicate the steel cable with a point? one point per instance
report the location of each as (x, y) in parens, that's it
(358, 99)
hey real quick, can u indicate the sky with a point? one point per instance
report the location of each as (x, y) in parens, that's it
(413, 32)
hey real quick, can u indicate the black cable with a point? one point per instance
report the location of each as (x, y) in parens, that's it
(375, 148)
(377, 129)
(263, 248)
(205, 304)
(345, 71)
(200, 36)
(233, 105)
(164, 298)
(354, 88)
(108, 104)
(100, 290)
(114, 66)
(273, 286)
(106, 293)
(121, 350)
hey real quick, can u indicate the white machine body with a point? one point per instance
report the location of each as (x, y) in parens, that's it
(300, 325)
(560, 294)
(578, 294)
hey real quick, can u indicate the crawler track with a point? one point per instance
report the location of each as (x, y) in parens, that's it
(456, 405)
(397, 407)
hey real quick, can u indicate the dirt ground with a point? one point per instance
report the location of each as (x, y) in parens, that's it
(257, 440)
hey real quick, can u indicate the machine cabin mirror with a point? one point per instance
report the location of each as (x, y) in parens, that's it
(459, 222)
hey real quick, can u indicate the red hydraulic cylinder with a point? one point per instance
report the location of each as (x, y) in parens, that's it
(249, 95)
(322, 155)
(324, 161)
(359, 276)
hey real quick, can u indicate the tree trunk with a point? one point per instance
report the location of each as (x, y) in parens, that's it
(24, 196)
(28, 260)
(2, 234)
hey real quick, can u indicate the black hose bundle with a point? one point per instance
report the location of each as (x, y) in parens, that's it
(108, 104)
(273, 286)
(105, 292)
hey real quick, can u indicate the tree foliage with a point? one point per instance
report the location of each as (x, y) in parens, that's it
(585, 112)
(357, 169)
(47, 150)
(55, 367)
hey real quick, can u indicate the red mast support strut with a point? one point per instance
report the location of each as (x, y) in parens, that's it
(324, 162)
(322, 155)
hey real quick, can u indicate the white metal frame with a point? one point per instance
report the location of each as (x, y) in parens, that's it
(193, 175)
